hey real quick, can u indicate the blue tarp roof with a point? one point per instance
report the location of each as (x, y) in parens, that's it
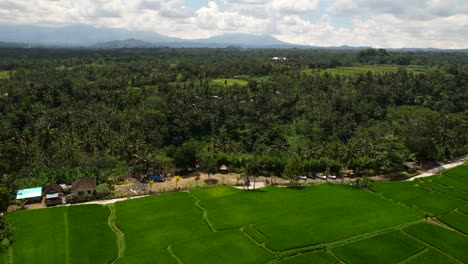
(29, 193)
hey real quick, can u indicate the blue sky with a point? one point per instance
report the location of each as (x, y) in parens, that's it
(377, 23)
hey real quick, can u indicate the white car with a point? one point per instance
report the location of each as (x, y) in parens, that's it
(333, 177)
(321, 176)
(302, 177)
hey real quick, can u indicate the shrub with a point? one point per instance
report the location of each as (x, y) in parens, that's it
(211, 181)
(363, 182)
(5, 198)
(103, 189)
(5, 233)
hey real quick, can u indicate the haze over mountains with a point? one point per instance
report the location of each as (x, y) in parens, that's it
(88, 36)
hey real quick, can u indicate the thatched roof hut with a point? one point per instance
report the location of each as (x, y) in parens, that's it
(84, 185)
(223, 169)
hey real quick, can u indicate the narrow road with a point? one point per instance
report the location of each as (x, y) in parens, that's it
(436, 170)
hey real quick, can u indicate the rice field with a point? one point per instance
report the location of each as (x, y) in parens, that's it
(229, 82)
(326, 223)
(391, 247)
(363, 69)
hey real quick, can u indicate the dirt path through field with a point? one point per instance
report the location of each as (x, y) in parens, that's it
(436, 170)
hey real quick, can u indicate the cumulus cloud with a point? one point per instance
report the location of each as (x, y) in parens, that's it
(397, 23)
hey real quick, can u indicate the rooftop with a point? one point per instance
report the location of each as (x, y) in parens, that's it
(29, 193)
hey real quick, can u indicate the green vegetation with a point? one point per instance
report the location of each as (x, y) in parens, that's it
(270, 210)
(229, 246)
(254, 234)
(75, 234)
(430, 256)
(154, 223)
(452, 182)
(364, 69)
(105, 113)
(229, 81)
(4, 74)
(387, 248)
(159, 256)
(312, 224)
(456, 220)
(463, 209)
(70, 113)
(450, 242)
(460, 171)
(432, 203)
(313, 257)
(434, 186)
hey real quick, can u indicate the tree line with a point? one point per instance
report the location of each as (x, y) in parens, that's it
(70, 113)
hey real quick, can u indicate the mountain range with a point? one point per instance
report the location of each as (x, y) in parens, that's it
(89, 36)
(86, 36)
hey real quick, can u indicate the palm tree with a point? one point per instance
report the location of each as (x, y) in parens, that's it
(46, 137)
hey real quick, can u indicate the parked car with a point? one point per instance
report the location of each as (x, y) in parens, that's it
(311, 176)
(321, 176)
(156, 178)
(333, 177)
(302, 177)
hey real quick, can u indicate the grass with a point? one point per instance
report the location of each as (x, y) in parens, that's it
(229, 81)
(254, 234)
(448, 241)
(432, 203)
(460, 171)
(313, 257)
(225, 247)
(430, 256)
(452, 182)
(428, 183)
(387, 248)
(363, 69)
(161, 256)
(75, 234)
(463, 209)
(154, 223)
(321, 213)
(315, 224)
(4, 74)
(456, 220)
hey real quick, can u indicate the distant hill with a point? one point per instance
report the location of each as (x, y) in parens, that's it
(129, 43)
(74, 35)
(243, 40)
(89, 36)
(12, 35)
(12, 45)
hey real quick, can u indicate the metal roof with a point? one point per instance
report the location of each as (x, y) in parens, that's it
(29, 193)
(51, 196)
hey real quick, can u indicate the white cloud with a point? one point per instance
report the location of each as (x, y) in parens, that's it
(397, 23)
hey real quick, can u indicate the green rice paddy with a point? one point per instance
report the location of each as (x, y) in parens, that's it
(229, 81)
(327, 223)
(4, 74)
(363, 69)
(378, 249)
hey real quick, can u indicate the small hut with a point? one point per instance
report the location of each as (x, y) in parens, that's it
(31, 195)
(84, 186)
(53, 194)
(223, 169)
(53, 189)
